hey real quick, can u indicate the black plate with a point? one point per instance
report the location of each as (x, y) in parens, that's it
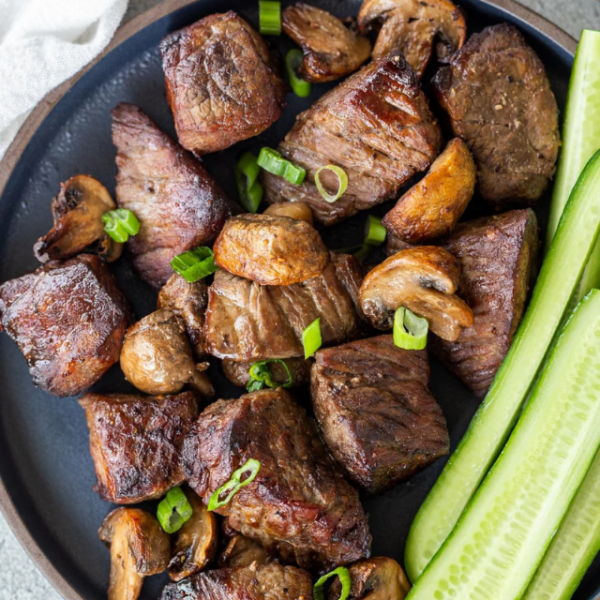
(45, 467)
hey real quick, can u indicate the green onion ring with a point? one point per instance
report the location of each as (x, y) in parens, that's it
(173, 510)
(260, 375)
(293, 60)
(342, 183)
(269, 14)
(235, 484)
(311, 338)
(120, 223)
(343, 574)
(195, 264)
(410, 331)
(249, 188)
(375, 232)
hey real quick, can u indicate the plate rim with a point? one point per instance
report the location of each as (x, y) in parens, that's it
(13, 154)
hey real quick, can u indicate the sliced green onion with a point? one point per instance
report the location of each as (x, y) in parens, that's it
(270, 17)
(375, 232)
(293, 60)
(260, 375)
(173, 510)
(235, 484)
(120, 223)
(363, 252)
(342, 183)
(311, 338)
(194, 264)
(249, 188)
(343, 574)
(410, 331)
(273, 162)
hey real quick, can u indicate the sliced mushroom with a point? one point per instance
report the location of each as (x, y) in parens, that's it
(157, 356)
(422, 279)
(412, 26)
(432, 207)
(294, 210)
(242, 552)
(195, 544)
(270, 250)
(331, 49)
(78, 226)
(378, 578)
(138, 547)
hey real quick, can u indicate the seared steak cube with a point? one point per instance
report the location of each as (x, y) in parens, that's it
(221, 84)
(136, 443)
(69, 320)
(498, 259)
(299, 506)
(376, 412)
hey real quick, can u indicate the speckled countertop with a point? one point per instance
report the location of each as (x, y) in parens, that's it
(19, 578)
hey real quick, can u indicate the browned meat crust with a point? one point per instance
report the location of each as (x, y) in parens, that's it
(498, 259)
(331, 49)
(271, 250)
(238, 372)
(375, 411)
(136, 443)
(299, 506)
(499, 101)
(255, 582)
(69, 320)
(179, 205)
(376, 125)
(246, 321)
(221, 84)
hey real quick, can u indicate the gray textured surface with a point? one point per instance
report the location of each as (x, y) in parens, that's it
(19, 579)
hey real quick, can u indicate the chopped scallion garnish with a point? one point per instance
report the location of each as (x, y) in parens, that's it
(342, 183)
(195, 264)
(173, 510)
(311, 338)
(260, 375)
(410, 331)
(343, 574)
(248, 472)
(272, 161)
(375, 232)
(270, 17)
(249, 188)
(293, 60)
(120, 223)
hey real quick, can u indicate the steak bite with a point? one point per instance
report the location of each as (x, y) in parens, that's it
(299, 506)
(69, 320)
(221, 83)
(376, 125)
(179, 205)
(377, 416)
(246, 321)
(498, 97)
(254, 582)
(136, 443)
(498, 259)
(331, 48)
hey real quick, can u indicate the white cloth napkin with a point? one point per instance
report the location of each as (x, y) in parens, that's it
(44, 42)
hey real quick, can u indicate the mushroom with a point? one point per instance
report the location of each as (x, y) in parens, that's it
(195, 544)
(157, 356)
(294, 210)
(411, 27)
(138, 547)
(78, 225)
(424, 280)
(378, 578)
(242, 552)
(432, 207)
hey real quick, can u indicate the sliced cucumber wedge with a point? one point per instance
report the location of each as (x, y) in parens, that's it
(491, 425)
(575, 545)
(503, 534)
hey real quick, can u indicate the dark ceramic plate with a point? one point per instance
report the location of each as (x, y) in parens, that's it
(46, 471)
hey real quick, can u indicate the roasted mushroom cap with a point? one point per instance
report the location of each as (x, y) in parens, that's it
(331, 49)
(157, 356)
(78, 226)
(422, 279)
(242, 552)
(432, 207)
(411, 26)
(138, 547)
(294, 210)
(374, 579)
(195, 544)
(270, 250)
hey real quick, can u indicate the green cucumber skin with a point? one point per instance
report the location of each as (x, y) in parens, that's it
(575, 545)
(496, 416)
(501, 538)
